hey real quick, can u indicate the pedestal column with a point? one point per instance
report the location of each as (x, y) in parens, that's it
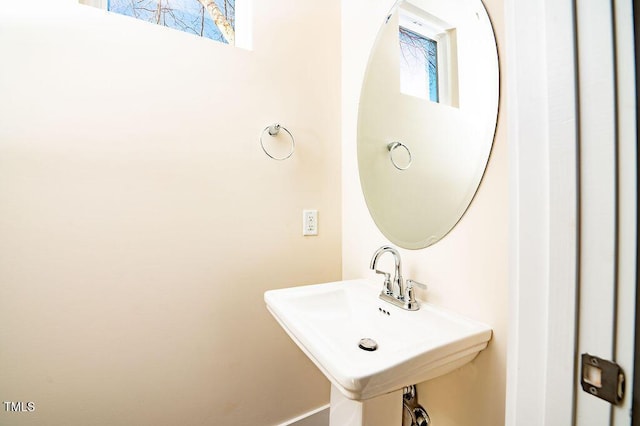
(383, 410)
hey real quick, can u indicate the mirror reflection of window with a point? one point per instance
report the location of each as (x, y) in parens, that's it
(418, 65)
(428, 52)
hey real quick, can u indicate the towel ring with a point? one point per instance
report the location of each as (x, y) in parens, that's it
(393, 146)
(273, 130)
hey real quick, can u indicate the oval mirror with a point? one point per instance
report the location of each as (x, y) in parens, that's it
(427, 117)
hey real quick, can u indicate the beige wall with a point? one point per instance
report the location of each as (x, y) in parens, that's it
(467, 270)
(140, 222)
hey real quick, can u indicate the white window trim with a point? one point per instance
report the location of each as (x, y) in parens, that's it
(244, 24)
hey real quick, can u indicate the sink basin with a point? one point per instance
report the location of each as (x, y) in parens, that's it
(327, 321)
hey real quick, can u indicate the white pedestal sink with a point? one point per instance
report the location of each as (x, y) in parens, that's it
(327, 321)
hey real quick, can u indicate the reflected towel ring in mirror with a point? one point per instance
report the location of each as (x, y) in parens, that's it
(392, 147)
(273, 131)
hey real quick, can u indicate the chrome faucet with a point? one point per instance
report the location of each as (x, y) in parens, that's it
(404, 297)
(397, 277)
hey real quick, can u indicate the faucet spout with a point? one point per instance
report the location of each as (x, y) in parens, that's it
(397, 278)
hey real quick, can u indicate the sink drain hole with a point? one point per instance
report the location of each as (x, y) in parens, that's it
(368, 344)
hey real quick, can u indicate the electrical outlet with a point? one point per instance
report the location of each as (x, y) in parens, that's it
(309, 222)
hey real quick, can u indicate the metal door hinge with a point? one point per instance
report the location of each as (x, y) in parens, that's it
(602, 378)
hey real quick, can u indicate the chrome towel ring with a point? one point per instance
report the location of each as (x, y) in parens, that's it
(392, 147)
(273, 130)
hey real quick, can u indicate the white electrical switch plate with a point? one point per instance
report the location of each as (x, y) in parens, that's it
(309, 222)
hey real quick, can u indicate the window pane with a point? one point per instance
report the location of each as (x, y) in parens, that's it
(418, 65)
(211, 19)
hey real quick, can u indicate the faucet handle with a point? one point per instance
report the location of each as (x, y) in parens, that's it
(387, 281)
(410, 300)
(412, 283)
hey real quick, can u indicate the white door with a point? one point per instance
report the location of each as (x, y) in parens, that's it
(607, 201)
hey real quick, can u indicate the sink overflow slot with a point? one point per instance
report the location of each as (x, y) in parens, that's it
(368, 344)
(384, 311)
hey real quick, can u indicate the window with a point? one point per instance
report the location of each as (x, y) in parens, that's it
(418, 65)
(427, 56)
(213, 19)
